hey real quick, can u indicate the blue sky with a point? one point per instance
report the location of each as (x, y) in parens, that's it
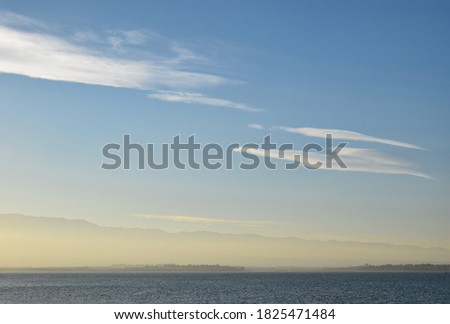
(75, 76)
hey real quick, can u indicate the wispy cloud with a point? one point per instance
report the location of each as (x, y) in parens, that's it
(356, 160)
(13, 19)
(49, 57)
(131, 37)
(121, 40)
(200, 99)
(185, 55)
(104, 59)
(40, 54)
(255, 126)
(345, 135)
(205, 220)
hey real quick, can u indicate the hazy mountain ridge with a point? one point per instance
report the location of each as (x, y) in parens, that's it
(43, 241)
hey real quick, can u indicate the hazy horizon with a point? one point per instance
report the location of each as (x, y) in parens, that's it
(58, 242)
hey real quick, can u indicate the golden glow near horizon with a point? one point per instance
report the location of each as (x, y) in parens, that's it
(43, 242)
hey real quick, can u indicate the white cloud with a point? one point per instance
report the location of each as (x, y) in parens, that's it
(184, 55)
(345, 135)
(120, 40)
(104, 59)
(39, 54)
(197, 98)
(13, 19)
(255, 126)
(356, 160)
(135, 37)
(206, 220)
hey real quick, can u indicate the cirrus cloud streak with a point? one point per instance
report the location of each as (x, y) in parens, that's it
(28, 48)
(200, 99)
(356, 160)
(206, 220)
(345, 135)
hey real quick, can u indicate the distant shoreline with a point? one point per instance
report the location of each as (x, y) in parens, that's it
(173, 268)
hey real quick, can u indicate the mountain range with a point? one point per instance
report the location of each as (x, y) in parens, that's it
(28, 241)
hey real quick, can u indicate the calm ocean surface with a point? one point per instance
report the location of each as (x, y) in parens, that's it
(230, 288)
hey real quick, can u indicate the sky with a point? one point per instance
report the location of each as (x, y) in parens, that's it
(75, 76)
